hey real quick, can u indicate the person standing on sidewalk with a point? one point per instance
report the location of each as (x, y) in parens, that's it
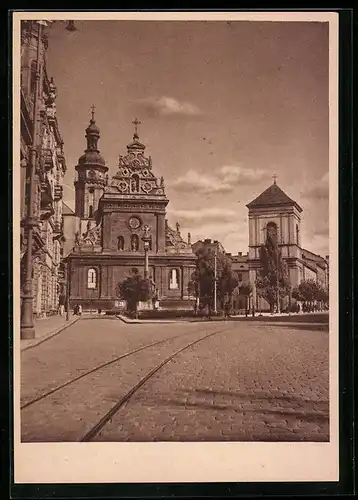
(61, 308)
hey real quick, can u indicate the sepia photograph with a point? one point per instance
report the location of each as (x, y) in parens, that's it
(175, 204)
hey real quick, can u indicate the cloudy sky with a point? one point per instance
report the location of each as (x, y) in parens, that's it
(223, 106)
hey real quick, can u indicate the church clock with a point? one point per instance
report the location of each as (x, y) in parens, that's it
(134, 223)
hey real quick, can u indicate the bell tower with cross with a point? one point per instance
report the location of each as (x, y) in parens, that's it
(91, 174)
(274, 214)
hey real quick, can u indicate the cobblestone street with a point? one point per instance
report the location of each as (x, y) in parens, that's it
(246, 381)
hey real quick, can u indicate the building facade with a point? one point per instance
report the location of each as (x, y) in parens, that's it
(273, 211)
(50, 167)
(111, 218)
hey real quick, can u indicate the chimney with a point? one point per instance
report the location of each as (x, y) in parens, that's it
(240, 254)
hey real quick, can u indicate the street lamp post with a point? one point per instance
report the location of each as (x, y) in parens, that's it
(215, 281)
(146, 241)
(27, 320)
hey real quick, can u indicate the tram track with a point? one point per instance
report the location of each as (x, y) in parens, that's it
(99, 367)
(97, 428)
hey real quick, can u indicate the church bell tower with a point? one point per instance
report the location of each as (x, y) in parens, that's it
(91, 176)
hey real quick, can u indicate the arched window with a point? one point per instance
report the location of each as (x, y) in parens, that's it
(271, 232)
(297, 235)
(90, 201)
(135, 183)
(92, 278)
(174, 279)
(134, 243)
(120, 244)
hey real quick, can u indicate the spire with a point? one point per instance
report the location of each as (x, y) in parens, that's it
(92, 133)
(136, 145)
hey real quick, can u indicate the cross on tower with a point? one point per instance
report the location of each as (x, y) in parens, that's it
(93, 107)
(136, 122)
(274, 178)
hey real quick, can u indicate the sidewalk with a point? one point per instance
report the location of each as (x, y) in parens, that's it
(47, 328)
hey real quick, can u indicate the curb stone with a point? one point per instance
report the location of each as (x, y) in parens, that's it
(51, 334)
(124, 319)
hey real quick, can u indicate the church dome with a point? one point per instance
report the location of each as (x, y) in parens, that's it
(92, 128)
(91, 158)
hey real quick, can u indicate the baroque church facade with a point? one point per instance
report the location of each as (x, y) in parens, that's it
(104, 235)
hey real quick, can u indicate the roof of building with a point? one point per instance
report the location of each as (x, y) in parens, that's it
(66, 210)
(273, 196)
(318, 259)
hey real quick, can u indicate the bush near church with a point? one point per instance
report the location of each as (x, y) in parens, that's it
(133, 290)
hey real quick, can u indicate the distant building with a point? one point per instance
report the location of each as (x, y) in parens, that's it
(104, 234)
(273, 211)
(210, 245)
(48, 179)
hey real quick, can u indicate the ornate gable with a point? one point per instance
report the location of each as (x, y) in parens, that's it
(134, 175)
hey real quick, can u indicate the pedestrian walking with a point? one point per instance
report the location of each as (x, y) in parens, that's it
(227, 309)
(79, 310)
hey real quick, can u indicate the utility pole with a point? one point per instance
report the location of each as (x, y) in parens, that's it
(215, 281)
(27, 320)
(277, 284)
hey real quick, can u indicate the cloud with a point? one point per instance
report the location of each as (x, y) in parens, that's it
(228, 178)
(242, 175)
(322, 230)
(193, 181)
(318, 190)
(168, 107)
(203, 216)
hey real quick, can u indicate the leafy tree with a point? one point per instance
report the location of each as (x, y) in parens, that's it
(202, 281)
(308, 292)
(245, 289)
(272, 281)
(296, 294)
(134, 289)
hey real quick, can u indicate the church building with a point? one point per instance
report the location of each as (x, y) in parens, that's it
(113, 220)
(273, 211)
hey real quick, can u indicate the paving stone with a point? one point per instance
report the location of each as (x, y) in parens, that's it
(246, 383)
